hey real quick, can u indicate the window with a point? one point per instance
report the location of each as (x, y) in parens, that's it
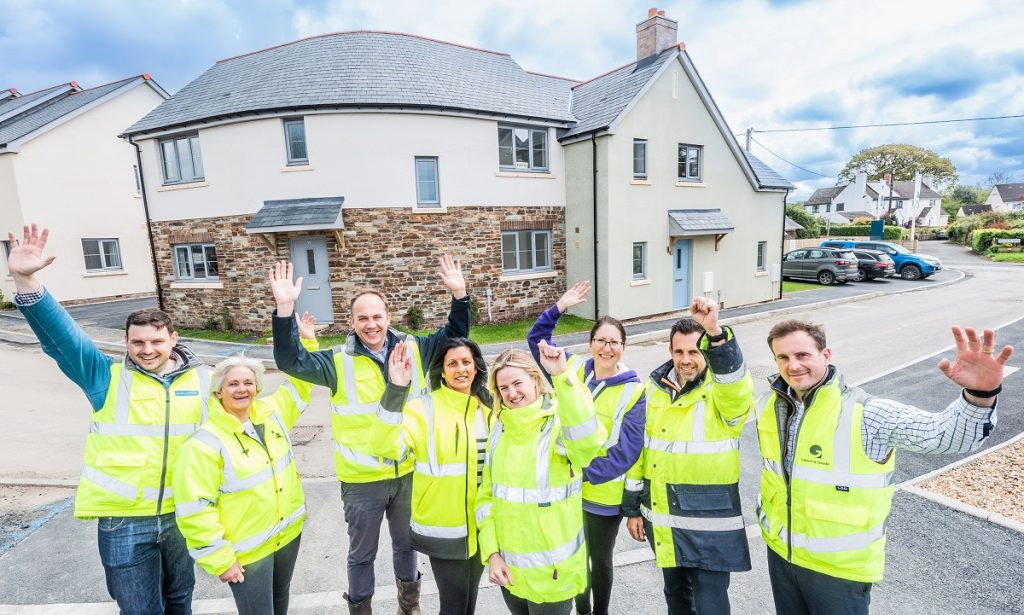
(762, 256)
(426, 182)
(639, 260)
(101, 254)
(295, 139)
(7, 249)
(182, 160)
(196, 261)
(689, 162)
(639, 158)
(523, 148)
(138, 179)
(840, 206)
(525, 251)
(814, 209)
(899, 204)
(828, 207)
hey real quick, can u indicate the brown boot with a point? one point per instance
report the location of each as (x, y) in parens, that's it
(408, 597)
(359, 608)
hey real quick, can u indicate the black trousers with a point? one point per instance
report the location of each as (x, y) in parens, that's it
(518, 606)
(267, 581)
(692, 591)
(600, 532)
(458, 582)
(801, 591)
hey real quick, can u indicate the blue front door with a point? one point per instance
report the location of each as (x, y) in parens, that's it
(681, 274)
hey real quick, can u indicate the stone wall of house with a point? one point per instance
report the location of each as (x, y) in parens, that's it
(391, 250)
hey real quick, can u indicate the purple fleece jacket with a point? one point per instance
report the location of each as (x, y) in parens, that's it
(621, 457)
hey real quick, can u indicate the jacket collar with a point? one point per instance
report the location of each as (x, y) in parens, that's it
(832, 376)
(185, 357)
(525, 419)
(355, 346)
(666, 369)
(228, 422)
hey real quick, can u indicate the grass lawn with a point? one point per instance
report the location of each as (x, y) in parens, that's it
(1009, 257)
(789, 286)
(241, 337)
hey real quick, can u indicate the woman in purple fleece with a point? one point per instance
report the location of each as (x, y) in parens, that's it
(621, 406)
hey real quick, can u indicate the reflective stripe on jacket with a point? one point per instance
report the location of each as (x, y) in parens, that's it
(237, 497)
(529, 507)
(133, 440)
(829, 516)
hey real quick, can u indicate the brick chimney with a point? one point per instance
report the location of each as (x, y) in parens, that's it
(655, 34)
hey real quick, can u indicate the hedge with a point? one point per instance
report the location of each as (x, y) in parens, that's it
(983, 239)
(889, 233)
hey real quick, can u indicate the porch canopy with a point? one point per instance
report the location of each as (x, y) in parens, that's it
(698, 222)
(289, 215)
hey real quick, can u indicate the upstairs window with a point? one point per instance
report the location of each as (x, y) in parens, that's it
(295, 139)
(522, 148)
(196, 261)
(639, 158)
(689, 162)
(101, 254)
(182, 160)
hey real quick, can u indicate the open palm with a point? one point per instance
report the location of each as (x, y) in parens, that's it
(976, 365)
(26, 257)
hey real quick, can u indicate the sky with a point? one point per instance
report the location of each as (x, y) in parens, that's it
(769, 64)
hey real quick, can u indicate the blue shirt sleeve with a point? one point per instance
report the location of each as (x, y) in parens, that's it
(621, 457)
(66, 343)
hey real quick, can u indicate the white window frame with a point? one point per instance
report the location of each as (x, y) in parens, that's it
(642, 273)
(420, 200)
(762, 256)
(642, 172)
(533, 234)
(190, 275)
(686, 176)
(108, 249)
(292, 159)
(532, 133)
(174, 163)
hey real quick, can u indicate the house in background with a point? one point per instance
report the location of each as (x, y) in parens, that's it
(1006, 197)
(861, 198)
(973, 210)
(62, 166)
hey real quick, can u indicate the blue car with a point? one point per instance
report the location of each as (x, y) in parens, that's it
(909, 266)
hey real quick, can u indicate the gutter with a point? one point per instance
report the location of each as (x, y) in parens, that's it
(149, 223)
(596, 282)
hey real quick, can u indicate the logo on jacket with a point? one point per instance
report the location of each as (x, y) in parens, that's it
(816, 451)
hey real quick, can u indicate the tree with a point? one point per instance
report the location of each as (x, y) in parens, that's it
(967, 195)
(810, 222)
(999, 178)
(902, 161)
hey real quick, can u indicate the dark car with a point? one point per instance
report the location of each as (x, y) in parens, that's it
(826, 265)
(873, 264)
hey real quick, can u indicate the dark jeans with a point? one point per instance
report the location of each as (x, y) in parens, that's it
(518, 606)
(801, 591)
(600, 532)
(692, 591)
(147, 565)
(458, 582)
(365, 506)
(265, 588)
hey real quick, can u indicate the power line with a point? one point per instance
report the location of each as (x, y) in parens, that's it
(889, 125)
(790, 163)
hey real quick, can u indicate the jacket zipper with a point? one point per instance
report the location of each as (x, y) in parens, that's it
(785, 471)
(465, 424)
(167, 438)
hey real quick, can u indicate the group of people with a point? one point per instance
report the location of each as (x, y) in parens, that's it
(526, 467)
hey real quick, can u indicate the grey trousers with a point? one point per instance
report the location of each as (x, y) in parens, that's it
(267, 581)
(366, 505)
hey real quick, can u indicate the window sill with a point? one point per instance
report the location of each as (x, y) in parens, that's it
(760, 274)
(428, 209)
(644, 282)
(169, 187)
(686, 184)
(639, 182)
(101, 274)
(136, 196)
(186, 285)
(525, 174)
(516, 277)
(297, 168)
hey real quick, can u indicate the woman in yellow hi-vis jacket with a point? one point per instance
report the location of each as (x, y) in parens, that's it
(238, 497)
(445, 433)
(529, 508)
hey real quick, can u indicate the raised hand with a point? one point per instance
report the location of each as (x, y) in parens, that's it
(307, 325)
(552, 358)
(705, 311)
(285, 291)
(399, 366)
(451, 276)
(576, 295)
(975, 365)
(26, 257)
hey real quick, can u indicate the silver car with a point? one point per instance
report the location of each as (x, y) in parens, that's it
(826, 265)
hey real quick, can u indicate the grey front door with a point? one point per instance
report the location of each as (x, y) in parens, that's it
(309, 260)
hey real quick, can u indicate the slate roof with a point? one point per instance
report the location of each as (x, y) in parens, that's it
(766, 176)
(1010, 193)
(365, 68)
(688, 222)
(314, 212)
(36, 117)
(905, 189)
(853, 215)
(793, 225)
(924, 213)
(971, 210)
(596, 103)
(13, 103)
(823, 196)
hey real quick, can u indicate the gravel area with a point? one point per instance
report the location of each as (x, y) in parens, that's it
(994, 482)
(22, 507)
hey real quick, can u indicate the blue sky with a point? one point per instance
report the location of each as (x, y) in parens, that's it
(769, 64)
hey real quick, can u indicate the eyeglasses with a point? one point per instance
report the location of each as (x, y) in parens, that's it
(601, 342)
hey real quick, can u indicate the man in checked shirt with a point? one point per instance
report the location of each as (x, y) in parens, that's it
(829, 455)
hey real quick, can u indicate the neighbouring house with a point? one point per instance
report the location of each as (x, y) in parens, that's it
(63, 166)
(1006, 197)
(364, 156)
(792, 228)
(877, 200)
(973, 210)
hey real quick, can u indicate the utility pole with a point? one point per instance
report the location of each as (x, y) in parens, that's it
(888, 213)
(749, 131)
(917, 198)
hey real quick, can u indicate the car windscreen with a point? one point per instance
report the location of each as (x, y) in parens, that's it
(848, 256)
(900, 249)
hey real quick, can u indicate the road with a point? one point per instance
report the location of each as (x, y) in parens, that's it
(940, 561)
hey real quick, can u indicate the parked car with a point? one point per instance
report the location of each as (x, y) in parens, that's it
(909, 266)
(873, 264)
(826, 265)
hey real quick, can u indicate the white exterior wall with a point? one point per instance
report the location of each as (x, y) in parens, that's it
(368, 158)
(995, 200)
(10, 217)
(76, 179)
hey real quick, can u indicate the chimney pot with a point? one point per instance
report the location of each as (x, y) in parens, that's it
(651, 12)
(661, 13)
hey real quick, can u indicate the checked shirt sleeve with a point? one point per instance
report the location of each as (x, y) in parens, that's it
(960, 428)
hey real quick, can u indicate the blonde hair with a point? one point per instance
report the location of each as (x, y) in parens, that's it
(225, 366)
(514, 357)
